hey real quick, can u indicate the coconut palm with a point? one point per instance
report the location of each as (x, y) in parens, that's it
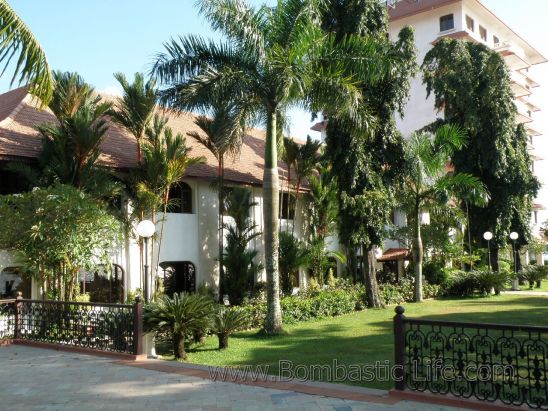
(17, 41)
(273, 57)
(222, 134)
(428, 186)
(135, 109)
(181, 315)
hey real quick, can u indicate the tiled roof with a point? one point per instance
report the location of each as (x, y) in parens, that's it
(393, 254)
(20, 115)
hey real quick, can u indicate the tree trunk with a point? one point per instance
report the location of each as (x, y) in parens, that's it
(495, 258)
(166, 200)
(179, 345)
(370, 279)
(223, 341)
(222, 285)
(417, 255)
(273, 321)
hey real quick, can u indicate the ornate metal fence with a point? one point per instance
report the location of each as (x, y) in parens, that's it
(487, 362)
(104, 327)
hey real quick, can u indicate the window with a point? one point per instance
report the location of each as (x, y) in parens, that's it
(447, 22)
(496, 40)
(12, 183)
(103, 285)
(470, 23)
(180, 196)
(13, 280)
(535, 216)
(178, 276)
(287, 204)
(483, 33)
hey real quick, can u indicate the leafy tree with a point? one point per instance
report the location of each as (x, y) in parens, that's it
(368, 165)
(293, 255)
(428, 186)
(135, 109)
(222, 134)
(57, 232)
(17, 41)
(471, 84)
(239, 259)
(180, 316)
(273, 57)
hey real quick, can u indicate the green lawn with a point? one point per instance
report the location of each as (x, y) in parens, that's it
(363, 337)
(543, 287)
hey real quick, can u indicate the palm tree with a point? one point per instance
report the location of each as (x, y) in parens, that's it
(222, 134)
(289, 155)
(273, 57)
(135, 109)
(428, 186)
(17, 41)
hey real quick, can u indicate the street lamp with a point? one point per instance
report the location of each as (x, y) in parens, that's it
(514, 236)
(145, 230)
(488, 235)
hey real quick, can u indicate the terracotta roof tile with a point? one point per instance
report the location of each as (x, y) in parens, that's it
(20, 115)
(393, 254)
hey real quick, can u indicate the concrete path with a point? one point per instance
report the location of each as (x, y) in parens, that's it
(526, 292)
(41, 379)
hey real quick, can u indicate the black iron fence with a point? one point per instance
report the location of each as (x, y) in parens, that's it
(105, 327)
(487, 362)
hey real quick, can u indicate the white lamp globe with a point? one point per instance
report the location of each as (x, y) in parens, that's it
(514, 236)
(488, 235)
(146, 229)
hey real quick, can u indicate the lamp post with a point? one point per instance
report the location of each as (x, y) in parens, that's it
(145, 230)
(488, 235)
(515, 283)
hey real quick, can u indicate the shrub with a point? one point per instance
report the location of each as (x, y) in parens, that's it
(435, 273)
(466, 283)
(461, 284)
(534, 274)
(404, 291)
(180, 315)
(225, 322)
(487, 280)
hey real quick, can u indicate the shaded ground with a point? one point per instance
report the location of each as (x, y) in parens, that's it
(362, 337)
(39, 379)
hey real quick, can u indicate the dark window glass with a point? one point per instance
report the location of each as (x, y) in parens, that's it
(483, 33)
(12, 280)
(496, 40)
(178, 276)
(104, 285)
(470, 25)
(12, 183)
(180, 196)
(447, 22)
(287, 213)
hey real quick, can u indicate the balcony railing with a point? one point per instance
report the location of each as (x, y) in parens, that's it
(514, 56)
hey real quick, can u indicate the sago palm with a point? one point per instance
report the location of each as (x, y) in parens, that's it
(271, 58)
(428, 186)
(17, 43)
(226, 322)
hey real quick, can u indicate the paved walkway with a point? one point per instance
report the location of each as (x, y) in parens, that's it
(527, 292)
(41, 379)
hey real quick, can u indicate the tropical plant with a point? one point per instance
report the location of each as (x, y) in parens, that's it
(57, 232)
(289, 156)
(222, 134)
(272, 57)
(180, 316)
(293, 255)
(368, 165)
(471, 85)
(239, 260)
(428, 186)
(226, 322)
(534, 275)
(17, 41)
(134, 111)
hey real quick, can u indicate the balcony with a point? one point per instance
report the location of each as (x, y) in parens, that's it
(514, 56)
(532, 131)
(531, 79)
(520, 86)
(523, 114)
(530, 104)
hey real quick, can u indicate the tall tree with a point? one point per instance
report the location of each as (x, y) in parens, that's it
(135, 109)
(428, 186)
(272, 57)
(17, 41)
(222, 134)
(368, 165)
(471, 85)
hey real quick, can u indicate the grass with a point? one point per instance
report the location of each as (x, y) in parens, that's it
(362, 337)
(543, 287)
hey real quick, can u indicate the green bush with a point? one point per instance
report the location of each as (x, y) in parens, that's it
(466, 283)
(487, 280)
(461, 284)
(404, 291)
(226, 322)
(435, 273)
(534, 274)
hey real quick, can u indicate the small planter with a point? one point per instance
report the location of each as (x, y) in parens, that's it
(149, 342)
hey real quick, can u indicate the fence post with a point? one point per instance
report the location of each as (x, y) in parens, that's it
(17, 305)
(399, 348)
(138, 326)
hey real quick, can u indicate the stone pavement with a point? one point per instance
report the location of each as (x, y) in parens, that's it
(42, 379)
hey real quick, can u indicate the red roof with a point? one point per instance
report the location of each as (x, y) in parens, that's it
(20, 114)
(393, 254)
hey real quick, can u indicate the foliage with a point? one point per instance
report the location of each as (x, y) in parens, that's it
(471, 84)
(428, 186)
(434, 272)
(403, 292)
(179, 315)
(269, 59)
(58, 231)
(238, 259)
(31, 65)
(466, 283)
(292, 255)
(226, 322)
(534, 275)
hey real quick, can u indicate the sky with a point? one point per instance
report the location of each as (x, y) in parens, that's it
(97, 38)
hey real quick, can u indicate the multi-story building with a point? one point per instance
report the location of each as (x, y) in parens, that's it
(471, 20)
